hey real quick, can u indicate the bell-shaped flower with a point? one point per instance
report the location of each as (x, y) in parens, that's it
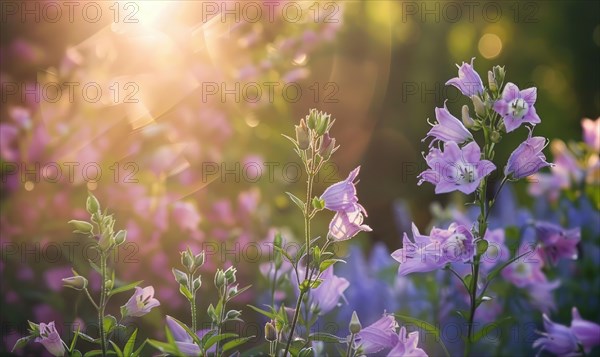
(448, 128)
(557, 339)
(50, 338)
(346, 224)
(429, 253)
(377, 336)
(586, 332)
(558, 242)
(184, 342)
(516, 107)
(456, 168)
(140, 303)
(406, 346)
(327, 295)
(528, 158)
(468, 81)
(527, 269)
(342, 195)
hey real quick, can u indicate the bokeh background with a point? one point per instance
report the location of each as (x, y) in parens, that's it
(159, 130)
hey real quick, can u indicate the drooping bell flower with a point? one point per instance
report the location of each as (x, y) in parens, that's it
(516, 107)
(448, 128)
(557, 339)
(346, 224)
(327, 295)
(406, 345)
(342, 195)
(377, 336)
(141, 302)
(528, 158)
(586, 332)
(50, 339)
(184, 342)
(558, 242)
(456, 168)
(468, 81)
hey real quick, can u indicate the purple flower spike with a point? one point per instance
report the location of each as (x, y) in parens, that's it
(51, 339)
(468, 81)
(456, 168)
(342, 195)
(586, 332)
(516, 107)
(406, 346)
(377, 336)
(448, 128)
(527, 159)
(558, 339)
(141, 302)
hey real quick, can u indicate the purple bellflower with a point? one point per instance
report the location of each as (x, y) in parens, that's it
(468, 81)
(516, 107)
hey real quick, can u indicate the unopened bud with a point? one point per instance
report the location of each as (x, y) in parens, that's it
(492, 82)
(466, 118)
(495, 137)
(499, 74)
(180, 277)
(233, 314)
(219, 278)
(270, 332)
(327, 146)
(120, 237)
(197, 283)
(312, 119)
(75, 282)
(478, 105)
(187, 260)
(230, 275)
(199, 259)
(278, 241)
(322, 123)
(302, 135)
(92, 205)
(355, 325)
(81, 226)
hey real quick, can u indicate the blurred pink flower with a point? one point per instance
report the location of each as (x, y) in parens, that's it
(186, 215)
(591, 133)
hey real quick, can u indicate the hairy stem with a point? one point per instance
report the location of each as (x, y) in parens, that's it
(294, 322)
(102, 305)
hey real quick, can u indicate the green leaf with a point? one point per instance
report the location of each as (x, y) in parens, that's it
(109, 323)
(239, 292)
(237, 342)
(297, 201)
(285, 254)
(206, 336)
(125, 288)
(185, 292)
(74, 340)
(325, 337)
(468, 279)
(305, 352)
(75, 353)
(130, 344)
(491, 326)
(139, 350)
(117, 349)
(270, 315)
(427, 327)
(218, 338)
(327, 263)
(162, 347)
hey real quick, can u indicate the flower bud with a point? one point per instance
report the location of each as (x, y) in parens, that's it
(478, 105)
(495, 137)
(302, 135)
(180, 277)
(230, 275)
(104, 241)
(197, 283)
(492, 82)
(199, 259)
(466, 118)
(327, 146)
(75, 282)
(278, 241)
(312, 119)
(233, 314)
(499, 74)
(92, 205)
(322, 123)
(81, 226)
(120, 237)
(219, 278)
(318, 203)
(270, 332)
(355, 325)
(187, 260)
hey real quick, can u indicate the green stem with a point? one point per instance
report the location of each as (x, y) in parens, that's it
(350, 344)
(221, 317)
(192, 302)
(294, 321)
(102, 305)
